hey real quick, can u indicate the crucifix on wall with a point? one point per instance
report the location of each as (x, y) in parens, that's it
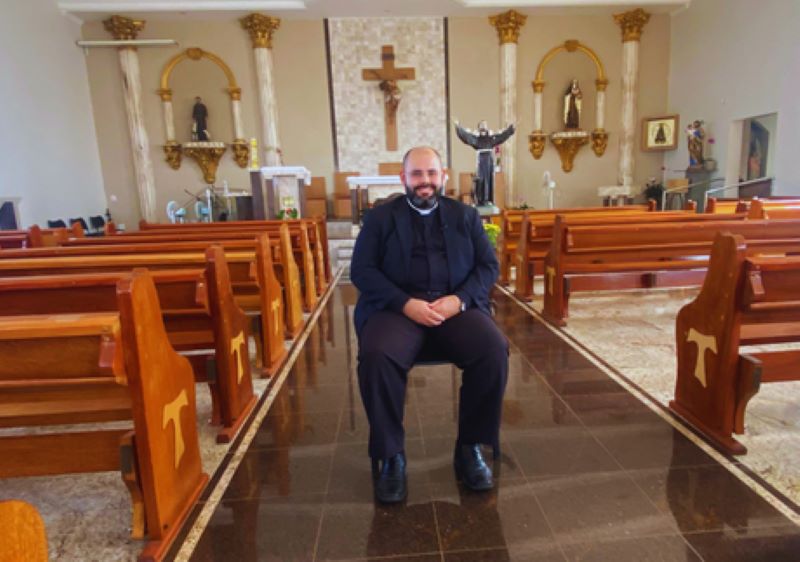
(388, 76)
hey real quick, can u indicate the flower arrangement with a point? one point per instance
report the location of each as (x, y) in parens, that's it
(288, 213)
(492, 231)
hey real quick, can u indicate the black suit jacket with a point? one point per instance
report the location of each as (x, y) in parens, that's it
(382, 257)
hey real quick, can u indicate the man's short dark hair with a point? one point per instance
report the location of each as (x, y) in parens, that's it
(412, 149)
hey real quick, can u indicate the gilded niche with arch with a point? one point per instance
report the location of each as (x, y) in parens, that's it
(570, 141)
(206, 154)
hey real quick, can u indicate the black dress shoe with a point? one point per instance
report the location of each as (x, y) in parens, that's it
(390, 479)
(471, 469)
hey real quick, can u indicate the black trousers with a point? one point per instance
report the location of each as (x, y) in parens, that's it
(388, 345)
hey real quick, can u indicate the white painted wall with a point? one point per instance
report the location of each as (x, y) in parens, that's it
(734, 59)
(48, 146)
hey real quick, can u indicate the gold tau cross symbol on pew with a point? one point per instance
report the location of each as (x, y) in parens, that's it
(172, 413)
(236, 345)
(388, 75)
(704, 343)
(276, 314)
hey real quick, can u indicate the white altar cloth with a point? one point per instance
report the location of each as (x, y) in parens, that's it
(299, 172)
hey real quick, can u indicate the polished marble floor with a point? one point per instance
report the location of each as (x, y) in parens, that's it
(587, 471)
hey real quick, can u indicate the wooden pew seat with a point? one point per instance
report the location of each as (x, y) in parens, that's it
(77, 360)
(744, 301)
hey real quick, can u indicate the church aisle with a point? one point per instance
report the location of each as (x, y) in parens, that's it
(587, 472)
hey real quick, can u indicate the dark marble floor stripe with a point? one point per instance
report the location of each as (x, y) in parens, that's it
(587, 472)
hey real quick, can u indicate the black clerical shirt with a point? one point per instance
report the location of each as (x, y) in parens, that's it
(429, 275)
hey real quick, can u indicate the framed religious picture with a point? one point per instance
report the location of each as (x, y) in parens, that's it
(660, 133)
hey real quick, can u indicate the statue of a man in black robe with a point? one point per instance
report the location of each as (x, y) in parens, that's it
(200, 121)
(483, 141)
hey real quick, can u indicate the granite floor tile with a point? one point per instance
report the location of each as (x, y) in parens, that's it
(619, 408)
(499, 518)
(599, 506)
(274, 529)
(646, 445)
(754, 545)
(283, 472)
(707, 498)
(559, 451)
(364, 531)
(296, 430)
(645, 549)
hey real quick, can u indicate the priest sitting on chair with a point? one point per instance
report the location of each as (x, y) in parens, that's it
(424, 267)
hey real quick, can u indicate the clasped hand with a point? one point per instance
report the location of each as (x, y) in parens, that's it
(432, 313)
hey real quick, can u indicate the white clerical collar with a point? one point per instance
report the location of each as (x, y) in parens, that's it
(423, 212)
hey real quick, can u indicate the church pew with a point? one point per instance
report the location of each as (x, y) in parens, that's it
(320, 233)
(256, 290)
(720, 206)
(22, 533)
(12, 239)
(199, 315)
(83, 368)
(164, 244)
(532, 248)
(744, 301)
(774, 209)
(511, 224)
(298, 245)
(310, 249)
(276, 250)
(36, 237)
(608, 257)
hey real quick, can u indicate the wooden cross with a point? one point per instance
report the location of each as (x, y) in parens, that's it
(388, 76)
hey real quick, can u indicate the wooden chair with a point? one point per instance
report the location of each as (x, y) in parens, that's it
(22, 533)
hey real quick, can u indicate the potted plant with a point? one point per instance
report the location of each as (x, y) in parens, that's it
(654, 189)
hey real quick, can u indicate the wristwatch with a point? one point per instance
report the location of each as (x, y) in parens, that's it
(463, 306)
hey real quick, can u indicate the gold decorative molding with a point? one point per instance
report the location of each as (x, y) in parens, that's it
(241, 152)
(538, 86)
(536, 142)
(166, 94)
(173, 153)
(570, 46)
(632, 24)
(601, 84)
(599, 141)
(508, 25)
(207, 157)
(195, 53)
(261, 28)
(567, 148)
(122, 28)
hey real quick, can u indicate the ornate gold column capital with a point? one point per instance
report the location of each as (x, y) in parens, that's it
(165, 93)
(508, 25)
(260, 28)
(235, 93)
(538, 86)
(632, 23)
(122, 28)
(601, 84)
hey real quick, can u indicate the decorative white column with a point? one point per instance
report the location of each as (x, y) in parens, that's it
(126, 28)
(632, 23)
(261, 29)
(236, 109)
(169, 118)
(508, 25)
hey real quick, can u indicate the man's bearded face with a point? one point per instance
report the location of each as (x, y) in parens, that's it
(423, 178)
(424, 195)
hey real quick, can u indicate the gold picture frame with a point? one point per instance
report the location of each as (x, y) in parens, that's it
(660, 133)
